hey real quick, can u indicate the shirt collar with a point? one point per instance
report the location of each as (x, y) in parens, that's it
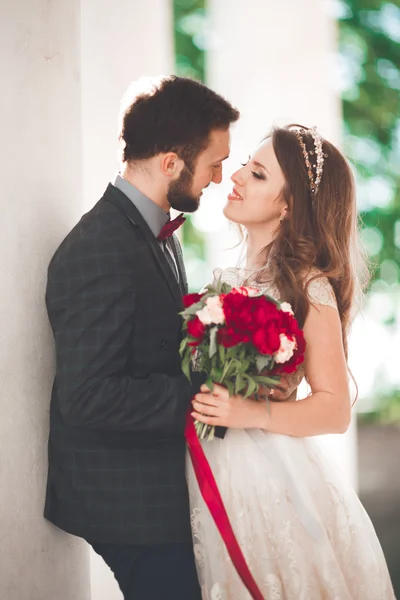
(153, 214)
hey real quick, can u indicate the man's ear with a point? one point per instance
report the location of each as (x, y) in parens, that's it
(171, 165)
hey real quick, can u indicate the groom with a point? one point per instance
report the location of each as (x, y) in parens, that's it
(116, 448)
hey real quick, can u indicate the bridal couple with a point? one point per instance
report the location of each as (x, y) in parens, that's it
(119, 476)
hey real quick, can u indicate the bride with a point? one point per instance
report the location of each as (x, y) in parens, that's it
(302, 530)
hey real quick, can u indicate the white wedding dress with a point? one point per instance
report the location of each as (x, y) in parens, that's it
(302, 529)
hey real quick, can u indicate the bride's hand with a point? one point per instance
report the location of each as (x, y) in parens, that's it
(280, 393)
(218, 409)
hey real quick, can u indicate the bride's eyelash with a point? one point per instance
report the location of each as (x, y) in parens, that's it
(256, 175)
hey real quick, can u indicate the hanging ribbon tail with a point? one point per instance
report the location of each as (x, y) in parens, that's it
(210, 492)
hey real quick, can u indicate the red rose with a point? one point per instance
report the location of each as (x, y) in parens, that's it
(266, 339)
(264, 311)
(190, 299)
(196, 329)
(238, 310)
(228, 337)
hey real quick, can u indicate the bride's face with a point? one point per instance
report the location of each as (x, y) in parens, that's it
(256, 198)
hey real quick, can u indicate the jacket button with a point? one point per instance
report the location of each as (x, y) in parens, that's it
(164, 343)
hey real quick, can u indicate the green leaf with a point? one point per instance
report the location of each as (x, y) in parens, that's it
(210, 383)
(212, 290)
(221, 353)
(183, 345)
(239, 383)
(227, 368)
(192, 310)
(229, 385)
(213, 341)
(251, 389)
(186, 368)
(225, 288)
(272, 381)
(216, 374)
(244, 364)
(262, 362)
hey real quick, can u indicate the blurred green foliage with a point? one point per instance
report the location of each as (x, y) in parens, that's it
(190, 30)
(369, 46)
(387, 410)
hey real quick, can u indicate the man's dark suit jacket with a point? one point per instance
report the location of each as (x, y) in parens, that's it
(118, 405)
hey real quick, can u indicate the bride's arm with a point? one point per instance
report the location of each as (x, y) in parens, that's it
(326, 410)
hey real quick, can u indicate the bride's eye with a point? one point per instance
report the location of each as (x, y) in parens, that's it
(257, 175)
(244, 164)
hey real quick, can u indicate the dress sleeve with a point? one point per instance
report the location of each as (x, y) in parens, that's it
(321, 292)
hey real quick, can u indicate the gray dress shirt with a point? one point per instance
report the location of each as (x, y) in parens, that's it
(154, 216)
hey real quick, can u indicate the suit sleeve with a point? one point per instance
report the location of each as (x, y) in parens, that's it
(93, 321)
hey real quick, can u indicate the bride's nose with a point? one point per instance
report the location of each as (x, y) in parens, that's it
(237, 177)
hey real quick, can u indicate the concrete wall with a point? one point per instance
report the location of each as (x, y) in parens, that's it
(40, 166)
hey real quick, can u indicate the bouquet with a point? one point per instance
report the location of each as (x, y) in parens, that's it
(241, 338)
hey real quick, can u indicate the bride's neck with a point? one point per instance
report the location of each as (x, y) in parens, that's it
(257, 240)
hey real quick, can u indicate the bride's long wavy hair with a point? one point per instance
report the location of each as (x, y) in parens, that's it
(319, 232)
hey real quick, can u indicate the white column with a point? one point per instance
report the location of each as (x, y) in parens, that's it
(274, 61)
(121, 41)
(40, 162)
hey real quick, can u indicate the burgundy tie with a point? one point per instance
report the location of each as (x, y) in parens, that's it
(171, 226)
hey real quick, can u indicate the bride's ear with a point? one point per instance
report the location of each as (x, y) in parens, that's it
(284, 214)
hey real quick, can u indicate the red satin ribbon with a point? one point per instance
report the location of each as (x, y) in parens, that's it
(212, 497)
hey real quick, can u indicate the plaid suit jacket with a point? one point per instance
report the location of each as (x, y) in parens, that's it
(116, 445)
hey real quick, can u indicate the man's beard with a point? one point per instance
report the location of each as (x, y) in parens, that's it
(179, 193)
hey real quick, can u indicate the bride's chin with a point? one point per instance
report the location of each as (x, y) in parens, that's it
(230, 214)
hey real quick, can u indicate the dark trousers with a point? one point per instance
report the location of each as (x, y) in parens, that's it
(164, 572)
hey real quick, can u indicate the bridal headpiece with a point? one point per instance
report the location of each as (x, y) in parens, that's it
(314, 170)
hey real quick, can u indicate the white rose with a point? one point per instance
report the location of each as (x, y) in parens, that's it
(212, 312)
(285, 306)
(286, 349)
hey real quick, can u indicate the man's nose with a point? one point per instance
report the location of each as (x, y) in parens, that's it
(217, 177)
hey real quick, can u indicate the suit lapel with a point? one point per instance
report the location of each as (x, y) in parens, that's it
(177, 250)
(122, 202)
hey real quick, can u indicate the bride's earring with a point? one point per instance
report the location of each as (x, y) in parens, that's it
(282, 218)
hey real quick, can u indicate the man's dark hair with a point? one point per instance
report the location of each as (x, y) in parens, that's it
(176, 114)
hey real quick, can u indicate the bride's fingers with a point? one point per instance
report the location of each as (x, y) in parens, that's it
(208, 399)
(205, 388)
(207, 420)
(219, 390)
(205, 409)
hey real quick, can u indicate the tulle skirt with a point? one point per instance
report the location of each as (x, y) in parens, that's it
(301, 527)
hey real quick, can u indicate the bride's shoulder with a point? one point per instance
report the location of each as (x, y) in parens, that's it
(319, 289)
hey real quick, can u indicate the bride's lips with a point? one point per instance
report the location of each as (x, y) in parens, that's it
(235, 196)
